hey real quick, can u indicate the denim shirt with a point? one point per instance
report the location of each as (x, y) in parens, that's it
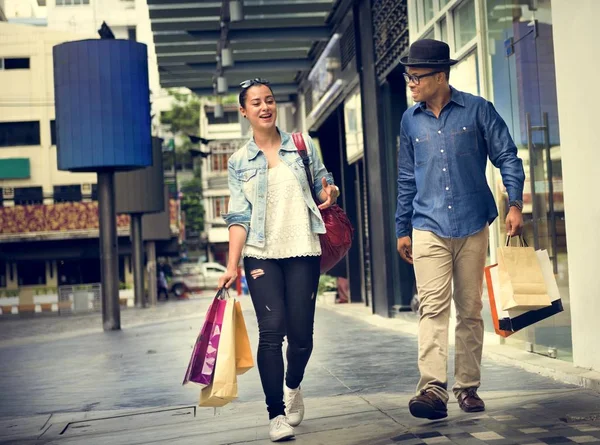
(442, 187)
(249, 164)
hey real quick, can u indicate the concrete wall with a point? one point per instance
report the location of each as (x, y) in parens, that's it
(577, 64)
(28, 95)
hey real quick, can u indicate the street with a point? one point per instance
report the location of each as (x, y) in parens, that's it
(360, 376)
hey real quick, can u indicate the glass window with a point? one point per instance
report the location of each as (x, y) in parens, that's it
(14, 134)
(443, 3)
(132, 33)
(3, 273)
(28, 196)
(220, 206)
(429, 35)
(15, 63)
(428, 11)
(53, 132)
(31, 273)
(67, 193)
(229, 117)
(464, 24)
(464, 75)
(444, 30)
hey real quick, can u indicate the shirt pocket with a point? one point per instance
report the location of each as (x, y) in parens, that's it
(422, 149)
(248, 179)
(464, 140)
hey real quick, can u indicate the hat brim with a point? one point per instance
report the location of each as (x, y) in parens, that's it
(406, 61)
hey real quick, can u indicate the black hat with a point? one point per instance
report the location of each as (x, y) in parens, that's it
(428, 53)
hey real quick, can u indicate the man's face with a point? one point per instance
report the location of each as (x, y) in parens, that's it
(428, 87)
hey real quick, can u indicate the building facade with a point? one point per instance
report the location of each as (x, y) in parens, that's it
(48, 218)
(519, 55)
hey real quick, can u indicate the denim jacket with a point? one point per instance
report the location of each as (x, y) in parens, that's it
(248, 204)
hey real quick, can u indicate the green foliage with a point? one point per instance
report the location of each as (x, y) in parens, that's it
(45, 290)
(327, 283)
(9, 293)
(184, 119)
(192, 205)
(184, 116)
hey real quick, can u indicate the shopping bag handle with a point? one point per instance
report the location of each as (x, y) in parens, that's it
(222, 293)
(520, 239)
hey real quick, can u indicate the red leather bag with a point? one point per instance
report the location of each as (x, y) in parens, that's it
(337, 240)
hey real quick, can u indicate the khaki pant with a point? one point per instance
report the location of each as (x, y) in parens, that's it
(440, 263)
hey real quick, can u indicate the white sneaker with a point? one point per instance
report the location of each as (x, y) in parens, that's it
(294, 406)
(280, 429)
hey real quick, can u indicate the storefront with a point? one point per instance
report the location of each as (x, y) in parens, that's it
(331, 105)
(506, 54)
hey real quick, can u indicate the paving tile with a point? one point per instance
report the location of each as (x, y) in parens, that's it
(583, 439)
(428, 435)
(439, 439)
(533, 430)
(504, 418)
(403, 437)
(487, 435)
(555, 440)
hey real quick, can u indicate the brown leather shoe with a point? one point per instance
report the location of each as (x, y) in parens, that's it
(428, 406)
(470, 402)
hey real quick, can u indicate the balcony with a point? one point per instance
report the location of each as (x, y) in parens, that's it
(62, 221)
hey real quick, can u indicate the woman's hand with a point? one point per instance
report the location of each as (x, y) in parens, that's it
(329, 194)
(228, 278)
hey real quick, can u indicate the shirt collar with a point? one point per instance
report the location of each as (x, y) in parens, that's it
(253, 149)
(455, 96)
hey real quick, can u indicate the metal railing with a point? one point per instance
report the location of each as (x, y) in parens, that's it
(80, 298)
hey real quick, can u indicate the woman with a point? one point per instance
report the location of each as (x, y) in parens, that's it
(274, 224)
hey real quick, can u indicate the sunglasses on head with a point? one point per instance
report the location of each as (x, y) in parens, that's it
(250, 82)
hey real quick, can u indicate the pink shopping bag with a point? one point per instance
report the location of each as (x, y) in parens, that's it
(204, 356)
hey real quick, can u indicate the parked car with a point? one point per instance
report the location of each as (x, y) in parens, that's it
(192, 277)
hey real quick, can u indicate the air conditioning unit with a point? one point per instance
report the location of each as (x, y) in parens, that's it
(86, 189)
(8, 193)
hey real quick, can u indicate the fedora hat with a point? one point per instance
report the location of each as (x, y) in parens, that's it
(428, 53)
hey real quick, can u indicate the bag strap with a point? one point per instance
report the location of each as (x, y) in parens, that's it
(520, 239)
(303, 152)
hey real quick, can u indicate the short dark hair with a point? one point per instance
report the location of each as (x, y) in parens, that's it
(447, 73)
(244, 93)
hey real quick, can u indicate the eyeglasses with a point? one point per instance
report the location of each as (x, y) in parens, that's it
(417, 79)
(250, 82)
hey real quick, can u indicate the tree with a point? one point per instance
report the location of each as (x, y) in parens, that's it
(192, 205)
(184, 119)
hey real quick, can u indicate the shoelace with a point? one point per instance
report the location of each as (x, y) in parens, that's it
(472, 392)
(279, 422)
(292, 402)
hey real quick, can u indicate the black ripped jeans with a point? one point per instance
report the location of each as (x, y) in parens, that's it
(284, 294)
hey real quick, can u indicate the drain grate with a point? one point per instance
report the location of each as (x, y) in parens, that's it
(124, 421)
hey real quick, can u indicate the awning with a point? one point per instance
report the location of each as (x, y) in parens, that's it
(271, 39)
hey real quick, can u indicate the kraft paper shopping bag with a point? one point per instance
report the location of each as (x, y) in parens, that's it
(223, 388)
(522, 284)
(508, 322)
(243, 352)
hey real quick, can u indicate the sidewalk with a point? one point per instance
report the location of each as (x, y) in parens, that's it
(556, 369)
(124, 388)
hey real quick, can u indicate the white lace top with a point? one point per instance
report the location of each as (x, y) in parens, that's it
(287, 222)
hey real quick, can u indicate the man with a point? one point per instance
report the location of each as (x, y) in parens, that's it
(445, 201)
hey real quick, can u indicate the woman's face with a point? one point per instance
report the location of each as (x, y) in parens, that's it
(260, 107)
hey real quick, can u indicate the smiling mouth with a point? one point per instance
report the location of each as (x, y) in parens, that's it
(268, 116)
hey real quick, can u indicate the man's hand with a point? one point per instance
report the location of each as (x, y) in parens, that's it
(405, 249)
(514, 222)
